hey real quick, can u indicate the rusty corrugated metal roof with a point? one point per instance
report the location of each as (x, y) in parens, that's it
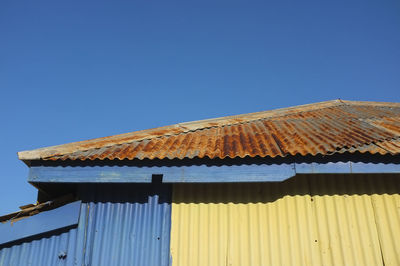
(322, 128)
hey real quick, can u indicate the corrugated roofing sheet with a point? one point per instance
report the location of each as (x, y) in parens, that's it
(322, 128)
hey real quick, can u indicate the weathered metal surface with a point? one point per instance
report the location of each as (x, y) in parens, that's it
(33, 209)
(323, 128)
(118, 225)
(170, 174)
(307, 220)
(201, 173)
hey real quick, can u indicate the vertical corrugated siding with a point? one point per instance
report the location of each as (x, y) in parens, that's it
(45, 251)
(308, 220)
(119, 225)
(386, 203)
(128, 225)
(345, 222)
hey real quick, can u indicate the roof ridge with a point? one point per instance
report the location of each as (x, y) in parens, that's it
(272, 113)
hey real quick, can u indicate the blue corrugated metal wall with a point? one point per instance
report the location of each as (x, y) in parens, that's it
(119, 225)
(128, 227)
(45, 250)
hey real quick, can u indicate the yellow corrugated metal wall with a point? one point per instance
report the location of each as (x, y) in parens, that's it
(307, 220)
(385, 200)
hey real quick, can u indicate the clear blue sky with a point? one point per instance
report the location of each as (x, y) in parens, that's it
(74, 70)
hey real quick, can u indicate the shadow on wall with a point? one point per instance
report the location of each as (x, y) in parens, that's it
(125, 193)
(300, 185)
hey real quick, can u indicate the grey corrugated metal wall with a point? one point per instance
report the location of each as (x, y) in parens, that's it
(119, 225)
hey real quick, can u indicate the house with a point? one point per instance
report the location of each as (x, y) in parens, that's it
(316, 184)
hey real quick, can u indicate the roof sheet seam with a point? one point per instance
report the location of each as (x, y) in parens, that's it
(390, 152)
(382, 128)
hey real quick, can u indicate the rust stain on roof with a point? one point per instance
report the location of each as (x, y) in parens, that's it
(322, 128)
